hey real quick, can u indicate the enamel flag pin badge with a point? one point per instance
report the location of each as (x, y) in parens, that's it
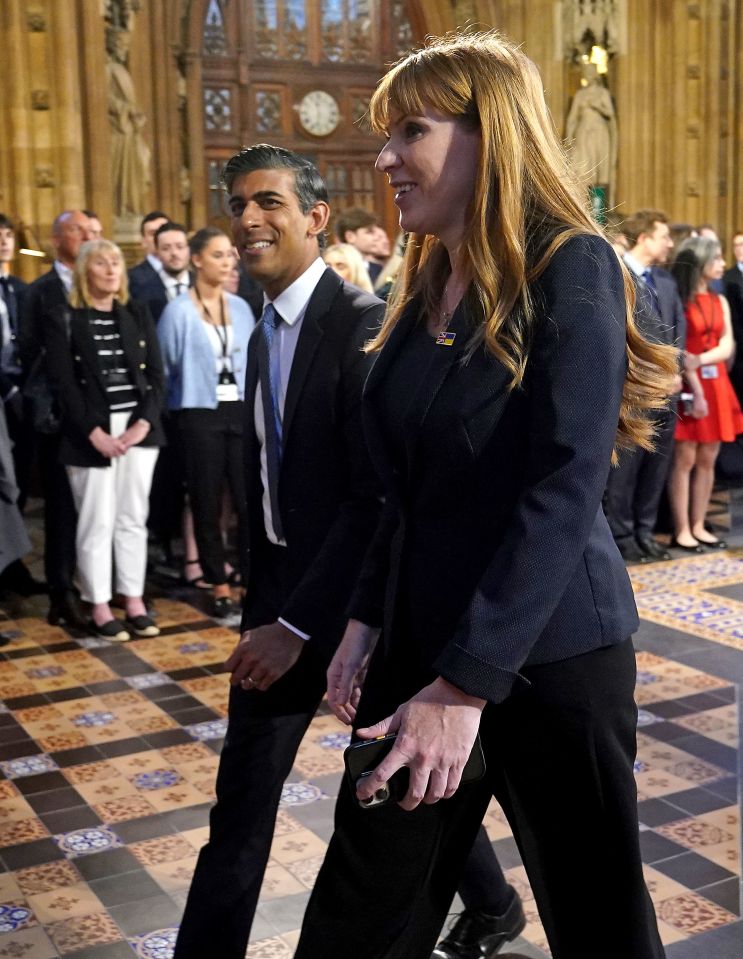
(446, 338)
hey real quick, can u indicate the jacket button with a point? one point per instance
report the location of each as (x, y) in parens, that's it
(142, 343)
(78, 358)
(142, 366)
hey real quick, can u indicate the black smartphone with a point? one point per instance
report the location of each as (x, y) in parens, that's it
(362, 758)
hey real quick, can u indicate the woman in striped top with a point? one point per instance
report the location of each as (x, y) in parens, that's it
(104, 361)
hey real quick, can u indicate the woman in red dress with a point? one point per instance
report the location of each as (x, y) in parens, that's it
(709, 344)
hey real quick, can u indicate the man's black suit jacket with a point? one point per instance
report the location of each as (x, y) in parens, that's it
(18, 291)
(140, 274)
(495, 552)
(329, 494)
(733, 288)
(43, 297)
(147, 288)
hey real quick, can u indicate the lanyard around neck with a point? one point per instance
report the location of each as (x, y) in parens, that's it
(222, 334)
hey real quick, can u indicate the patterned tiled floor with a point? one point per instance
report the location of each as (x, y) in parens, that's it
(108, 755)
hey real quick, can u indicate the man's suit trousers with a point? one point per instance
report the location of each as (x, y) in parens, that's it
(635, 486)
(263, 735)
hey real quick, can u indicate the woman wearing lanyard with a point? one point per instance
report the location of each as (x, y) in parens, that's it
(204, 337)
(709, 344)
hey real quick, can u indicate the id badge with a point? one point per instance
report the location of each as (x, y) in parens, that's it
(709, 372)
(227, 393)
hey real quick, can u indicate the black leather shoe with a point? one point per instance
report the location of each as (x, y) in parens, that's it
(16, 578)
(652, 548)
(631, 552)
(697, 548)
(64, 609)
(476, 935)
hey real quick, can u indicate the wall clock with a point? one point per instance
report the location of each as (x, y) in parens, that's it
(319, 113)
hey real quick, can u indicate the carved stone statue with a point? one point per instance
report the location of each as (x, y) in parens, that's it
(592, 131)
(130, 155)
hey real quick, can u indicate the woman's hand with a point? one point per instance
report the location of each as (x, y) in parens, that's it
(699, 407)
(347, 669)
(135, 433)
(107, 445)
(436, 730)
(692, 361)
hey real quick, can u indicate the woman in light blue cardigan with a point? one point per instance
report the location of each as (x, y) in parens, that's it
(204, 338)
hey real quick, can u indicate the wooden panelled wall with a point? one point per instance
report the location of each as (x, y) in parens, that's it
(678, 90)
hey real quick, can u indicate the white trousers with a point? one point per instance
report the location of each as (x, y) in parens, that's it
(112, 505)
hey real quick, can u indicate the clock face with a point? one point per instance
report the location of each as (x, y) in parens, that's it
(319, 113)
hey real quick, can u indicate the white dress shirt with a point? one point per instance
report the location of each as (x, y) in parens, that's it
(171, 284)
(65, 275)
(155, 262)
(291, 305)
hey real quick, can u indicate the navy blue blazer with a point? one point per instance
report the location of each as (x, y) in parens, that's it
(329, 493)
(494, 552)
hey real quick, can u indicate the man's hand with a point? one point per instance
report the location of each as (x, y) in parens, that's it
(436, 730)
(347, 669)
(263, 655)
(107, 445)
(135, 433)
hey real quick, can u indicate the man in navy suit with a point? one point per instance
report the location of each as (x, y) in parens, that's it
(634, 487)
(69, 231)
(733, 288)
(149, 268)
(173, 278)
(12, 294)
(313, 504)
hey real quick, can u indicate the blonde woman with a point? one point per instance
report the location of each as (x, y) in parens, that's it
(349, 264)
(104, 363)
(509, 366)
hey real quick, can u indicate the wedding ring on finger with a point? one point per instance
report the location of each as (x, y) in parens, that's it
(248, 682)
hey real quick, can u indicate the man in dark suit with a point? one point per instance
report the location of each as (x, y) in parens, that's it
(313, 503)
(149, 268)
(171, 248)
(14, 575)
(12, 294)
(733, 289)
(634, 487)
(69, 232)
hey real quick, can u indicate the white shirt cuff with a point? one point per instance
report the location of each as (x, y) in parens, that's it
(298, 632)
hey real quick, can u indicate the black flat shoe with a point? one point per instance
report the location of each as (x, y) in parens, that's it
(113, 630)
(698, 549)
(718, 544)
(223, 606)
(142, 626)
(476, 935)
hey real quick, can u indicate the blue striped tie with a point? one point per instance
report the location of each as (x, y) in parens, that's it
(269, 372)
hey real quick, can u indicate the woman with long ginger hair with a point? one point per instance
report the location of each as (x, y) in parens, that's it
(509, 368)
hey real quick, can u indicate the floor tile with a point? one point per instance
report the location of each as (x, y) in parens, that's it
(693, 870)
(125, 887)
(137, 918)
(73, 934)
(31, 943)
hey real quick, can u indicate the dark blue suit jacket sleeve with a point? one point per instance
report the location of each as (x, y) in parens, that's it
(574, 382)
